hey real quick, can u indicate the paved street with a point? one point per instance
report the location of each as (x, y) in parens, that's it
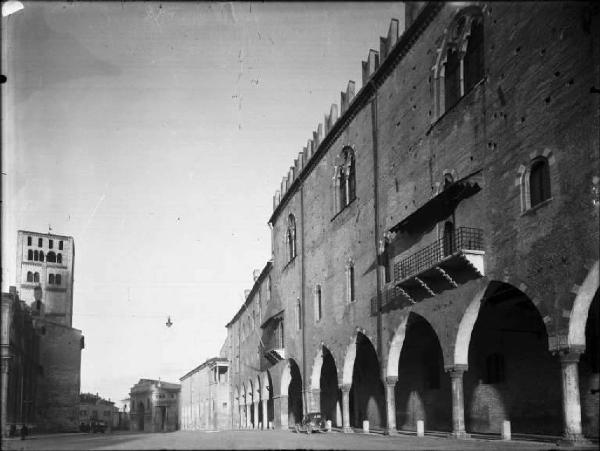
(261, 440)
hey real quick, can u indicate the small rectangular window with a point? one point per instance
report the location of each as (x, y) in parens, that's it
(318, 306)
(60, 245)
(28, 241)
(351, 292)
(40, 242)
(50, 244)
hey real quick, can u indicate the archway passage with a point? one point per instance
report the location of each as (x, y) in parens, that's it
(423, 390)
(330, 396)
(367, 398)
(294, 395)
(589, 371)
(141, 411)
(269, 400)
(512, 375)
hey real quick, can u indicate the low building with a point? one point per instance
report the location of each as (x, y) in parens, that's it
(204, 401)
(123, 414)
(20, 363)
(93, 407)
(154, 406)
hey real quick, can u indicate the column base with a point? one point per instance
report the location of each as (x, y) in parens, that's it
(347, 430)
(389, 431)
(574, 440)
(460, 435)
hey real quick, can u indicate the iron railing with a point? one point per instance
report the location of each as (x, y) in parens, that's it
(463, 238)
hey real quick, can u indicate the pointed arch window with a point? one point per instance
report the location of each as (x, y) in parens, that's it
(318, 304)
(345, 179)
(36, 277)
(58, 258)
(29, 254)
(290, 237)
(36, 256)
(29, 276)
(41, 256)
(535, 183)
(461, 60)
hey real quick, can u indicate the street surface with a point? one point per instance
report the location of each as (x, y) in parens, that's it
(262, 440)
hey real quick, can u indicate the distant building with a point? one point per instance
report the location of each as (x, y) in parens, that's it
(20, 363)
(93, 407)
(154, 406)
(204, 401)
(123, 413)
(45, 268)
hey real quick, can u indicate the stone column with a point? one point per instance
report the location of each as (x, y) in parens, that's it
(255, 425)
(4, 395)
(390, 399)
(265, 412)
(571, 400)
(246, 416)
(283, 411)
(315, 400)
(346, 408)
(458, 402)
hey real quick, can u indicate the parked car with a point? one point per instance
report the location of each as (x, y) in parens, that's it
(98, 426)
(312, 422)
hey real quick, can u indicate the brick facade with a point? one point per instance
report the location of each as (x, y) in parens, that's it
(446, 297)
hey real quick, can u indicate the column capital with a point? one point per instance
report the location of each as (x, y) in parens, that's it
(391, 380)
(456, 370)
(569, 356)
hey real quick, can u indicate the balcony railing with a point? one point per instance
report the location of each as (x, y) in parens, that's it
(463, 238)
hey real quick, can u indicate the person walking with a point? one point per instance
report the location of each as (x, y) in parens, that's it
(24, 431)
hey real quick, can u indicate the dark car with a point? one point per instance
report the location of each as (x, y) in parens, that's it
(98, 426)
(312, 422)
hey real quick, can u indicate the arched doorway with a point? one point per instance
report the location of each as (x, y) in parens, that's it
(589, 371)
(423, 389)
(140, 413)
(330, 395)
(511, 374)
(367, 399)
(294, 393)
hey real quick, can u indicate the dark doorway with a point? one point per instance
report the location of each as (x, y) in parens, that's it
(140, 412)
(589, 371)
(294, 395)
(330, 399)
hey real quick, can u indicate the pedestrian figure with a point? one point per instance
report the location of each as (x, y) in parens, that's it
(24, 431)
(13, 430)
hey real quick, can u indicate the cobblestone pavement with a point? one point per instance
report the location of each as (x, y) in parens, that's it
(262, 440)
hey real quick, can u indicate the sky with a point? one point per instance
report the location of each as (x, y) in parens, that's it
(155, 134)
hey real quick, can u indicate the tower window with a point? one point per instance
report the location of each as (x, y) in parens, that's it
(60, 245)
(50, 244)
(40, 242)
(29, 276)
(28, 241)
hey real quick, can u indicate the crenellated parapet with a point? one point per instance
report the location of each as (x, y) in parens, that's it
(369, 68)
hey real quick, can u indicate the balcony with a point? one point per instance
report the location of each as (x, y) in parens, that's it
(442, 265)
(274, 355)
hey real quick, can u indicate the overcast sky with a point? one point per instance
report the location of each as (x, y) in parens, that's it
(156, 134)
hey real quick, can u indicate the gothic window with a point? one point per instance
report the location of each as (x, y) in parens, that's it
(36, 277)
(535, 183)
(539, 182)
(51, 257)
(494, 365)
(461, 64)
(345, 179)
(57, 279)
(51, 279)
(58, 258)
(29, 276)
(29, 254)
(36, 256)
(318, 303)
(28, 241)
(290, 237)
